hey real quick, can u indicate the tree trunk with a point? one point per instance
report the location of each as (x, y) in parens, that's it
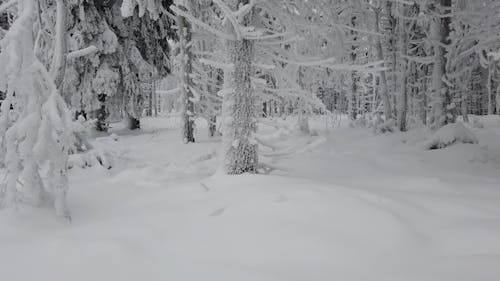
(133, 123)
(212, 126)
(443, 112)
(185, 36)
(58, 66)
(303, 118)
(102, 114)
(403, 72)
(239, 105)
(489, 87)
(352, 98)
(498, 100)
(384, 90)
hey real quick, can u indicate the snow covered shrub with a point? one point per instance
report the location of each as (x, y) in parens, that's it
(85, 154)
(81, 128)
(451, 134)
(92, 158)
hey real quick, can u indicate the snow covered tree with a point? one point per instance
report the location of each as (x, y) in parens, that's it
(272, 29)
(126, 52)
(36, 133)
(442, 107)
(184, 31)
(239, 104)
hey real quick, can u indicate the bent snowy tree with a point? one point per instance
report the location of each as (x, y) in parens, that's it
(36, 133)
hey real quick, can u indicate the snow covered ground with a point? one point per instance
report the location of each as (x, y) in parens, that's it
(348, 205)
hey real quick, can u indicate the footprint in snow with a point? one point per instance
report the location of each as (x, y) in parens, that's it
(218, 212)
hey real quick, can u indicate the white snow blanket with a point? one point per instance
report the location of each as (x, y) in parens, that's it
(357, 206)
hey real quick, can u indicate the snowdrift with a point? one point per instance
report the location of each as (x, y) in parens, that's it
(451, 134)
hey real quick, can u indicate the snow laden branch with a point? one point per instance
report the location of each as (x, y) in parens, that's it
(201, 24)
(82, 52)
(231, 17)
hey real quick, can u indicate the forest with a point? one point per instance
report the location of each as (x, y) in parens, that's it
(250, 140)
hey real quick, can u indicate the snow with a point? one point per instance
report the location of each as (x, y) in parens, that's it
(82, 52)
(451, 134)
(352, 205)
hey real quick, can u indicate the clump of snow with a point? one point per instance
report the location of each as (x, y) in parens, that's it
(451, 134)
(91, 158)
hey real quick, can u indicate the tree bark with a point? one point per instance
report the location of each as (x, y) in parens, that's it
(58, 66)
(133, 123)
(489, 87)
(239, 105)
(185, 37)
(403, 72)
(384, 90)
(442, 109)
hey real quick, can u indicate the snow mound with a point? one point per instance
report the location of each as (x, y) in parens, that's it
(451, 134)
(92, 158)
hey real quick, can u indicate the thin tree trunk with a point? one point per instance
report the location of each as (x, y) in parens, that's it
(58, 66)
(303, 118)
(463, 105)
(489, 87)
(102, 114)
(403, 73)
(498, 99)
(185, 37)
(384, 90)
(212, 126)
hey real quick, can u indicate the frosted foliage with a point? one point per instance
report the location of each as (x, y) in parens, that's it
(132, 97)
(153, 7)
(109, 41)
(36, 142)
(142, 66)
(106, 80)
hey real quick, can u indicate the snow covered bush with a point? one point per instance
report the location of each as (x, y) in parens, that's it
(92, 158)
(451, 134)
(86, 154)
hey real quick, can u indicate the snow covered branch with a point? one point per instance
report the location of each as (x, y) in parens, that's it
(82, 52)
